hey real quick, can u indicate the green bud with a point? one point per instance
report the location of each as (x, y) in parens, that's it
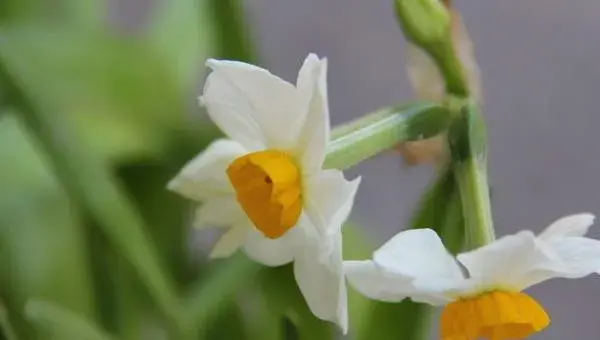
(424, 22)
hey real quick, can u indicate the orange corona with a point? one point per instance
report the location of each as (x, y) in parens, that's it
(269, 189)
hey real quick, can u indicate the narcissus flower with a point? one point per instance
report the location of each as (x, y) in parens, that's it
(266, 182)
(482, 290)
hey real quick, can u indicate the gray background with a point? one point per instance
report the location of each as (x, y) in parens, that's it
(541, 83)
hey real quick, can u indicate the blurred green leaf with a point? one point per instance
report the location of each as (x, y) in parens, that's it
(182, 33)
(210, 295)
(439, 209)
(88, 181)
(114, 88)
(261, 321)
(233, 35)
(61, 323)
(6, 329)
(41, 236)
(283, 296)
(88, 13)
(357, 246)
(229, 324)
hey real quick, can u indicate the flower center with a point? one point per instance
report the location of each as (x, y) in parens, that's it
(494, 315)
(269, 189)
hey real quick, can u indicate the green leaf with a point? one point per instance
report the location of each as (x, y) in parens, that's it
(88, 181)
(6, 328)
(183, 34)
(232, 34)
(284, 298)
(61, 323)
(113, 88)
(78, 13)
(42, 236)
(208, 296)
(357, 246)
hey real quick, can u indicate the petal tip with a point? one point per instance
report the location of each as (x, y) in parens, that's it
(211, 63)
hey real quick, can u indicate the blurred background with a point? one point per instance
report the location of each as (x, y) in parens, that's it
(123, 76)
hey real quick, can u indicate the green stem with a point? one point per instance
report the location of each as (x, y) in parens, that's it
(63, 323)
(428, 24)
(451, 68)
(467, 140)
(87, 179)
(368, 136)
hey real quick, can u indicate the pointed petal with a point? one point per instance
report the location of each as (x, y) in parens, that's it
(319, 274)
(515, 261)
(251, 105)
(229, 242)
(417, 253)
(578, 256)
(573, 225)
(329, 200)
(314, 135)
(204, 176)
(218, 212)
(374, 283)
(270, 252)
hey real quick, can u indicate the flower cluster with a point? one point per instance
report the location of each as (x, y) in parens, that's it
(266, 185)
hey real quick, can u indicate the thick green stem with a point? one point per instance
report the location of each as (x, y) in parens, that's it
(467, 140)
(368, 136)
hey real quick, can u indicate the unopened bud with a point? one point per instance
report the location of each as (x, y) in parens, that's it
(424, 22)
(428, 83)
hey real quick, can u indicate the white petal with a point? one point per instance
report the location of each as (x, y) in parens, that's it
(329, 199)
(374, 283)
(251, 105)
(578, 256)
(270, 252)
(514, 261)
(314, 135)
(229, 242)
(218, 212)
(418, 253)
(319, 274)
(573, 225)
(204, 176)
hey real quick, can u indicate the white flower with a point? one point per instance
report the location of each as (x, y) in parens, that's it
(481, 289)
(266, 182)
